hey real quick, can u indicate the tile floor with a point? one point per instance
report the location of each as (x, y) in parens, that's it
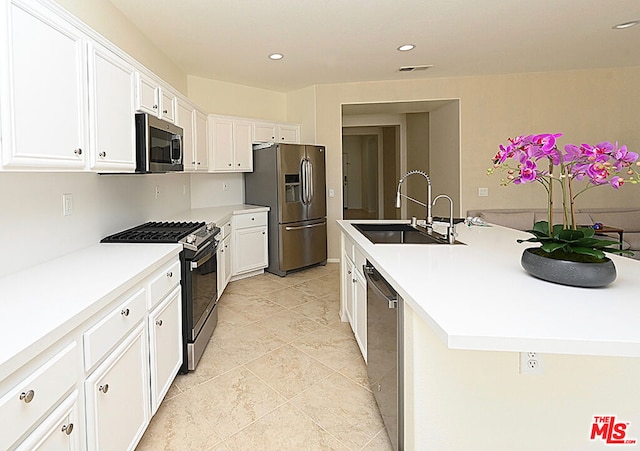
(281, 372)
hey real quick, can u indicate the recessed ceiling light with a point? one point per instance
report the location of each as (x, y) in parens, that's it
(406, 47)
(622, 26)
(276, 56)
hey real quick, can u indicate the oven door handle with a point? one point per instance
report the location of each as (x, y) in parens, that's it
(202, 261)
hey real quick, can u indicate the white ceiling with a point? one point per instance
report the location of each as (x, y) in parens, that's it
(337, 41)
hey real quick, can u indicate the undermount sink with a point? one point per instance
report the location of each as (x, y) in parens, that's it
(385, 233)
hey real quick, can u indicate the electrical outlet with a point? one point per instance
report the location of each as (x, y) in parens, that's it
(483, 192)
(530, 363)
(67, 204)
(157, 191)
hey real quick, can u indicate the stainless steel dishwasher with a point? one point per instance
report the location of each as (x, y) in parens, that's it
(384, 352)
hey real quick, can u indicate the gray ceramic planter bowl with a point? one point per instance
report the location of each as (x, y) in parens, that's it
(575, 274)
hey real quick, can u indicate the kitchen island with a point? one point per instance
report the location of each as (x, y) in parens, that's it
(471, 309)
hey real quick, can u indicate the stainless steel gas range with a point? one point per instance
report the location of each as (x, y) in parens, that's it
(199, 277)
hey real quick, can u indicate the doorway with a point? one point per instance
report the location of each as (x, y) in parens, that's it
(420, 135)
(360, 176)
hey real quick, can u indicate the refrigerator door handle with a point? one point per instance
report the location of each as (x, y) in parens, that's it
(309, 181)
(303, 180)
(320, 224)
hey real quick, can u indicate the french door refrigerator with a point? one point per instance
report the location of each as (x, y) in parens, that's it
(290, 179)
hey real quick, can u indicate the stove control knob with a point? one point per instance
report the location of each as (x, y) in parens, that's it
(210, 226)
(191, 239)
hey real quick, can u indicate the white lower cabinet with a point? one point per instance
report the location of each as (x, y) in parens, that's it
(360, 305)
(59, 431)
(40, 390)
(250, 243)
(165, 346)
(117, 395)
(353, 295)
(224, 263)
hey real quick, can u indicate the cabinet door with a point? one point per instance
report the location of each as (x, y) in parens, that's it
(43, 90)
(112, 127)
(165, 338)
(243, 146)
(147, 99)
(167, 104)
(349, 293)
(184, 119)
(60, 431)
(249, 250)
(200, 147)
(360, 310)
(264, 132)
(117, 396)
(226, 244)
(289, 134)
(221, 143)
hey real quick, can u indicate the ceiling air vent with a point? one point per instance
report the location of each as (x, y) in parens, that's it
(415, 68)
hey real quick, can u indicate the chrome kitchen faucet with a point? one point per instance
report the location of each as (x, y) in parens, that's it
(429, 218)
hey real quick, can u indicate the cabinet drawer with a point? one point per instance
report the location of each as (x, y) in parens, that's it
(163, 282)
(249, 220)
(26, 403)
(112, 328)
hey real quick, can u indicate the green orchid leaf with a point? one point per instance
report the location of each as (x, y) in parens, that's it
(553, 246)
(588, 251)
(569, 235)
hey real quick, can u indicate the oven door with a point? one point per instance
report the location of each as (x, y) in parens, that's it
(204, 289)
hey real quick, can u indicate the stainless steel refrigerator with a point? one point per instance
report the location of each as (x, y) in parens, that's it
(290, 179)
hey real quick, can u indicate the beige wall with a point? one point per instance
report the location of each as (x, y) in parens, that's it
(588, 106)
(417, 159)
(219, 97)
(444, 157)
(107, 20)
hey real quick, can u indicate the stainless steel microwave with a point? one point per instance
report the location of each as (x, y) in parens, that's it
(158, 145)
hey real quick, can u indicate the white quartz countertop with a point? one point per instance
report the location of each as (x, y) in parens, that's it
(217, 214)
(46, 302)
(478, 297)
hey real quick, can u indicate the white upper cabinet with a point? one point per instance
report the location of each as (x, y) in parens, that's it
(274, 132)
(230, 144)
(185, 113)
(194, 125)
(43, 89)
(200, 141)
(112, 127)
(153, 98)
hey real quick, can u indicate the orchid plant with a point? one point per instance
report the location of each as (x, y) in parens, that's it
(537, 158)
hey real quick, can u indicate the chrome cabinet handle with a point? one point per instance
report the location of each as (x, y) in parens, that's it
(229, 164)
(155, 107)
(27, 396)
(104, 388)
(159, 322)
(193, 162)
(124, 312)
(170, 274)
(102, 154)
(67, 428)
(78, 151)
(165, 111)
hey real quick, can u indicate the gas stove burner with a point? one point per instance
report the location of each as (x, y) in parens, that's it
(156, 232)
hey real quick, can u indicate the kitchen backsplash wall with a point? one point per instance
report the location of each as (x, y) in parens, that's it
(214, 190)
(33, 228)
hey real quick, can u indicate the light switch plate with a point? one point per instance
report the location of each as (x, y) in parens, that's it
(67, 204)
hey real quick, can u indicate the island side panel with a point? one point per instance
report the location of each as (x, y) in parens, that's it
(456, 399)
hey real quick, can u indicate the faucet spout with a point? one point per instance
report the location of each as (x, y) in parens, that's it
(429, 218)
(451, 233)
